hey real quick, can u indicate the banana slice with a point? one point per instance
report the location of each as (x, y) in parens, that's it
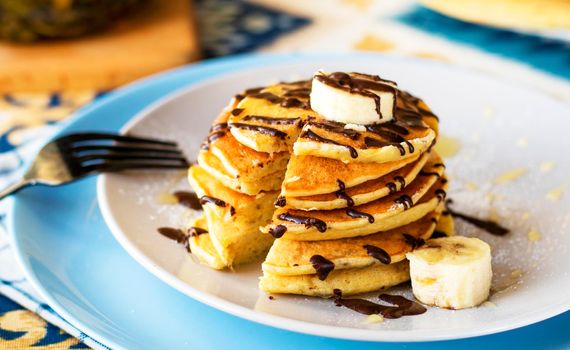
(451, 272)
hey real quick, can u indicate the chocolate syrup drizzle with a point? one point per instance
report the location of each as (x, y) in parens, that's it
(261, 129)
(403, 306)
(188, 199)
(429, 173)
(405, 200)
(413, 241)
(216, 201)
(488, 225)
(278, 231)
(322, 266)
(281, 201)
(271, 120)
(378, 254)
(196, 231)
(216, 131)
(320, 225)
(341, 193)
(177, 235)
(438, 234)
(311, 135)
(355, 214)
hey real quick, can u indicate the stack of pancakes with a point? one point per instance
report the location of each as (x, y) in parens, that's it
(344, 202)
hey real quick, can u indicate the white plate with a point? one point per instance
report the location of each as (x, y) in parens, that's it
(501, 127)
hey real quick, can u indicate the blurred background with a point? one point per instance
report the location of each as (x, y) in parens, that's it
(60, 55)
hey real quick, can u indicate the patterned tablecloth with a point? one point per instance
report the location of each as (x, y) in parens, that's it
(236, 26)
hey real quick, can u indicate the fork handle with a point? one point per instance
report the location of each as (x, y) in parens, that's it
(13, 188)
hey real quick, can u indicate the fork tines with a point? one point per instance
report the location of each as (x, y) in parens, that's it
(90, 152)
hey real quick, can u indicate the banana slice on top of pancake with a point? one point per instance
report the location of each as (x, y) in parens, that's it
(415, 201)
(269, 119)
(412, 131)
(429, 164)
(233, 218)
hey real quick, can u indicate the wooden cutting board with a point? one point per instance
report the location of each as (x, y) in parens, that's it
(160, 37)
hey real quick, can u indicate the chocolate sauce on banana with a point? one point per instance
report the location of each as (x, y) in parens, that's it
(413, 241)
(322, 266)
(213, 200)
(403, 306)
(312, 136)
(355, 214)
(261, 129)
(278, 231)
(405, 200)
(175, 234)
(271, 120)
(341, 193)
(378, 254)
(320, 225)
(354, 84)
(188, 199)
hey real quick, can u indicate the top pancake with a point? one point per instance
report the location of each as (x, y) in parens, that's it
(269, 119)
(412, 131)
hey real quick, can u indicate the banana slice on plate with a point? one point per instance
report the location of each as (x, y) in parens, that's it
(451, 272)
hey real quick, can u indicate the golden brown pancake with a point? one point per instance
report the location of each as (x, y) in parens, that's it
(233, 218)
(287, 257)
(413, 131)
(201, 246)
(413, 202)
(269, 119)
(429, 164)
(310, 175)
(237, 166)
(248, 183)
(350, 281)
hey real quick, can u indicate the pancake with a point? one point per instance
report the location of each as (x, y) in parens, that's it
(350, 281)
(429, 164)
(290, 258)
(201, 246)
(412, 131)
(233, 218)
(445, 225)
(250, 184)
(416, 200)
(310, 175)
(237, 166)
(269, 119)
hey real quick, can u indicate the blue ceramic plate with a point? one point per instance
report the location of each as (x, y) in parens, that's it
(70, 256)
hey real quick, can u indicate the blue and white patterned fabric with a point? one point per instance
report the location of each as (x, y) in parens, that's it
(230, 27)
